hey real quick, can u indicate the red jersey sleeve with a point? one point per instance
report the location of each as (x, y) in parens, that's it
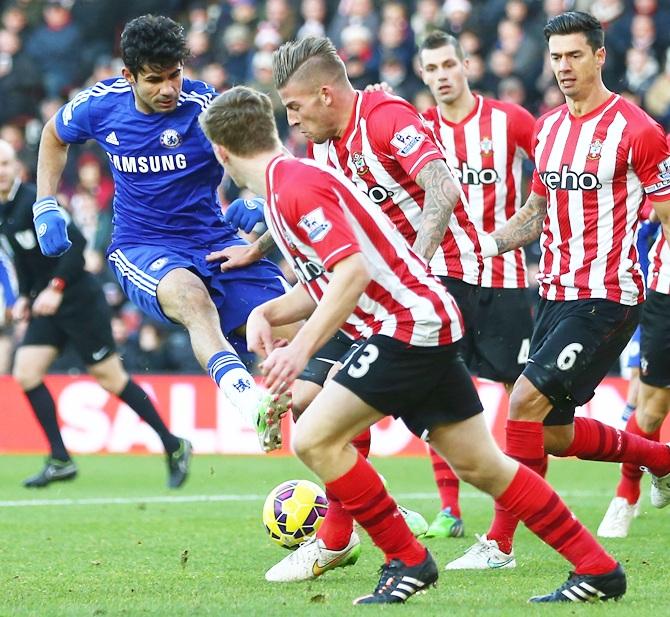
(650, 157)
(397, 132)
(312, 210)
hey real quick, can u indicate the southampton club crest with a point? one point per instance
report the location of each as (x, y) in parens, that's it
(594, 149)
(359, 163)
(486, 146)
(170, 138)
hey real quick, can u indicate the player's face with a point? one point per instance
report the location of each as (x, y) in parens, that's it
(308, 110)
(444, 73)
(575, 65)
(156, 91)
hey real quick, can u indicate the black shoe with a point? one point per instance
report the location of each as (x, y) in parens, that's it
(398, 582)
(588, 588)
(179, 463)
(53, 471)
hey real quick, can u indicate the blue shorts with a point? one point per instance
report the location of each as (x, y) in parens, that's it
(139, 269)
(633, 350)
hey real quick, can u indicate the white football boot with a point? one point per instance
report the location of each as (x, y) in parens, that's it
(483, 555)
(660, 491)
(312, 559)
(618, 518)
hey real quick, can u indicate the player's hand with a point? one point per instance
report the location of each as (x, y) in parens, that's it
(51, 223)
(21, 309)
(47, 302)
(245, 214)
(488, 245)
(259, 333)
(282, 366)
(381, 86)
(236, 256)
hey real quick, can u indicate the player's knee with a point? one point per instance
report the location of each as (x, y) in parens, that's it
(479, 474)
(526, 402)
(311, 448)
(113, 382)
(189, 303)
(26, 377)
(650, 415)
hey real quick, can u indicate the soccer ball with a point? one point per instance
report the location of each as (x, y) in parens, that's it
(294, 511)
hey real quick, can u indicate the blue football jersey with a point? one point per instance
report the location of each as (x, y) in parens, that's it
(165, 172)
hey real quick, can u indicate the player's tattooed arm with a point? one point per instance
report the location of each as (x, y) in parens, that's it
(239, 256)
(265, 243)
(524, 227)
(442, 195)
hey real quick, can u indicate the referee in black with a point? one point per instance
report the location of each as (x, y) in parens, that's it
(63, 303)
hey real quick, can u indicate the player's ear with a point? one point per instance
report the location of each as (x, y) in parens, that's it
(128, 76)
(221, 154)
(600, 56)
(326, 95)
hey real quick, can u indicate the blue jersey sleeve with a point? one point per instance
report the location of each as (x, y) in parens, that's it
(73, 121)
(8, 284)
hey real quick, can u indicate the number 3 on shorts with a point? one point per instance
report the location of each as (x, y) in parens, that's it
(567, 358)
(363, 362)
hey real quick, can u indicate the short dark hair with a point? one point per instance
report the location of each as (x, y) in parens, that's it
(242, 120)
(573, 22)
(306, 58)
(437, 39)
(153, 41)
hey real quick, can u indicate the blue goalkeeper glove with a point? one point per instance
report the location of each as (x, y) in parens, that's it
(51, 223)
(245, 214)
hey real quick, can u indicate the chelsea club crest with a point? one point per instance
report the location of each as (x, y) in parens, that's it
(170, 138)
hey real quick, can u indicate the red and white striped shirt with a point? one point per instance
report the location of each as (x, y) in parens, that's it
(594, 171)
(317, 217)
(486, 150)
(659, 265)
(382, 151)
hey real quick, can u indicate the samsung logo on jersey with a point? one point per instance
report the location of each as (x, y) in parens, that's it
(570, 180)
(148, 164)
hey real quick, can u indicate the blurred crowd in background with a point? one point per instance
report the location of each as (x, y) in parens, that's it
(51, 49)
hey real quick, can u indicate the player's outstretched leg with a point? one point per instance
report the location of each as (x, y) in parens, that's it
(529, 497)
(448, 522)
(111, 375)
(58, 466)
(625, 506)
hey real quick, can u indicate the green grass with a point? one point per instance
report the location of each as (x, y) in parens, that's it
(209, 557)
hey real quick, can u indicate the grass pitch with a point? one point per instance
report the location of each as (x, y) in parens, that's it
(115, 542)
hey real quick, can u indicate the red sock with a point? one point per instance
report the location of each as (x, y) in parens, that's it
(362, 442)
(532, 500)
(336, 528)
(629, 485)
(595, 441)
(525, 443)
(447, 483)
(363, 495)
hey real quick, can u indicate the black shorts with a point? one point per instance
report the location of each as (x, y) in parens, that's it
(467, 299)
(575, 343)
(655, 341)
(322, 361)
(83, 320)
(501, 338)
(424, 386)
